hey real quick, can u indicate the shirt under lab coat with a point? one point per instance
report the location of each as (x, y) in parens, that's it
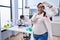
(43, 24)
(20, 22)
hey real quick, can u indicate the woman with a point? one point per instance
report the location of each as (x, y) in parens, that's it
(40, 31)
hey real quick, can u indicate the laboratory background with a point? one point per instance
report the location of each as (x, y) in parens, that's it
(10, 12)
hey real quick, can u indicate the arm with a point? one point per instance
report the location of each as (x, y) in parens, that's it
(52, 10)
(33, 19)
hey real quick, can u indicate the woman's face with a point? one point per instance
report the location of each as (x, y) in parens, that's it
(40, 9)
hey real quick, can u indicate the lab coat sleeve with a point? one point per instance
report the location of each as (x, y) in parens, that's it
(52, 11)
(34, 18)
(48, 26)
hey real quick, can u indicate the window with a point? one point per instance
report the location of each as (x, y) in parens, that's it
(19, 3)
(26, 11)
(5, 15)
(5, 11)
(19, 13)
(5, 2)
(33, 3)
(20, 8)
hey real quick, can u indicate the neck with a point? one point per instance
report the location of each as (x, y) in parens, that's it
(40, 13)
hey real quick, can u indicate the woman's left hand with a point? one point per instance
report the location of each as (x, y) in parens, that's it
(47, 4)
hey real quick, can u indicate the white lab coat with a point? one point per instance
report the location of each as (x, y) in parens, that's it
(53, 11)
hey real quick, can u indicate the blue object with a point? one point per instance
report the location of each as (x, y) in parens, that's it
(29, 29)
(41, 37)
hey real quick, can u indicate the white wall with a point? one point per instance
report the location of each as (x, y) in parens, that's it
(33, 3)
(56, 25)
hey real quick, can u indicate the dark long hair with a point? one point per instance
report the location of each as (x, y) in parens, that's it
(40, 4)
(44, 14)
